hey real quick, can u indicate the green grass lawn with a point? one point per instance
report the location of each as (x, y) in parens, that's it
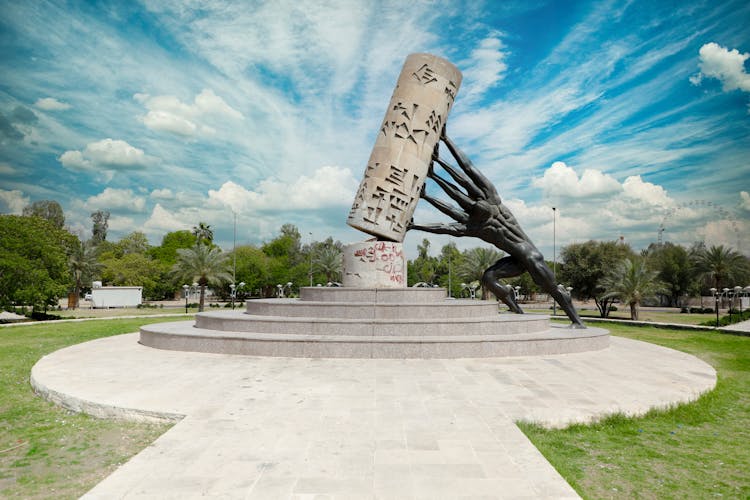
(697, 450)
(46, 451)
(675, 317)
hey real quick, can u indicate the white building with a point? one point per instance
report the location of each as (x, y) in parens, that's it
(115, 296)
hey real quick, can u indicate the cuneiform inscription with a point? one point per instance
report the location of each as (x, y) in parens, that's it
(401, 122)
(425, 75)
(386, 204)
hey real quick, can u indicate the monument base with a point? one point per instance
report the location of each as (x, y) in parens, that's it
(372, 323)
(374, 264)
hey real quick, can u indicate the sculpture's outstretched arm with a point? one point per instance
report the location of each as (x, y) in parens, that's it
(447, 209)
(460, 178)
(481, 182)
(455, 229)
(464, 201)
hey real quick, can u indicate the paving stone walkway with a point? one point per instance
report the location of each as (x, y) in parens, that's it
(258, 427)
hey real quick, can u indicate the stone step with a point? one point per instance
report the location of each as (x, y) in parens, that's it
(494, 324)
(444, 308)
(180, 336)
(378, 295)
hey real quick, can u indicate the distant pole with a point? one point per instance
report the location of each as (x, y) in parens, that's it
(554, 255)
(311, 252)
(449, 274)
(234, 249)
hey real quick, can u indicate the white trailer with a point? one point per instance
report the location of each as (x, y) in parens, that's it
(116, 296)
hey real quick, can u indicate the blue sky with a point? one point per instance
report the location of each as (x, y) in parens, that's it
(623, 115)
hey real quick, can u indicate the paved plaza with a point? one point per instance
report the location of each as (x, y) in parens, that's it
(270, 427)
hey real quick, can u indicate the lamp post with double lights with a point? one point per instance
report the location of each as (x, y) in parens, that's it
(281, 288)
(471, 289)
(736, 294)
(716, 303)
(233, 291)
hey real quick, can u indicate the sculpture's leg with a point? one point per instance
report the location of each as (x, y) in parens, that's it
(542, 276)
(507, 267)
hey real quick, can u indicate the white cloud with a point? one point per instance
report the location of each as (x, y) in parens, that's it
(727, 66)
(745, 200)
(328, 186)
(485, 68)
(168, 122)
(74, 160)
(6, 169)
(168, 114)
(162, 221)
(114, 199)
(653, 194)
(122, 224)
(561, 180)
(107, 154)
(51, 104)
(162, 194)
(14, 201)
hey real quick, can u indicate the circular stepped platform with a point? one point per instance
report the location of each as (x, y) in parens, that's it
(372, 323)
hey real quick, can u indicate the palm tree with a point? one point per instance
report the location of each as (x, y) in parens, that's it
(204, 265)
(83, 264)
(631, 281)
(329, 261)
(203, 233)
(476, 262)
(720, 265)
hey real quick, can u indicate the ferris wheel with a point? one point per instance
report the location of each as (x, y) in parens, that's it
(720, 213)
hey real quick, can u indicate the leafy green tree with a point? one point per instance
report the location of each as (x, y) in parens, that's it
(33, 261)
(721, 266)
(329, 261)
(253, 269)
(46, 209)
(675, 269)
(166, 253)
(631, 281)
(286, 260)
(134, 269)
(475, 262)
(204, 265)
(83, 266)
(135, 242)
(100, 220)
(203, 233)
(584, 265)
(424, 268)
(449, 261)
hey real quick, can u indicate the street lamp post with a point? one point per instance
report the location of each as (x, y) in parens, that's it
(554, 255)
(449, 276)
(233, 292)
(716, 303)
(472, 290)
(185, 289)
(737, 293)
(311, 260)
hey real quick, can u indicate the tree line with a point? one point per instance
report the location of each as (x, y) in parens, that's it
(41, 262)
(600, 271)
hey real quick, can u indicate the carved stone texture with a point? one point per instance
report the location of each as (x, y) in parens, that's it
(401, 157)
(374, 264)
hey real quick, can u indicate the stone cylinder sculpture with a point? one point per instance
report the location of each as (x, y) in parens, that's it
(374, 264)
(401, 157)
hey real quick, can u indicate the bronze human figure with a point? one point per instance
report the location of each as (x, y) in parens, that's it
(483, 215)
